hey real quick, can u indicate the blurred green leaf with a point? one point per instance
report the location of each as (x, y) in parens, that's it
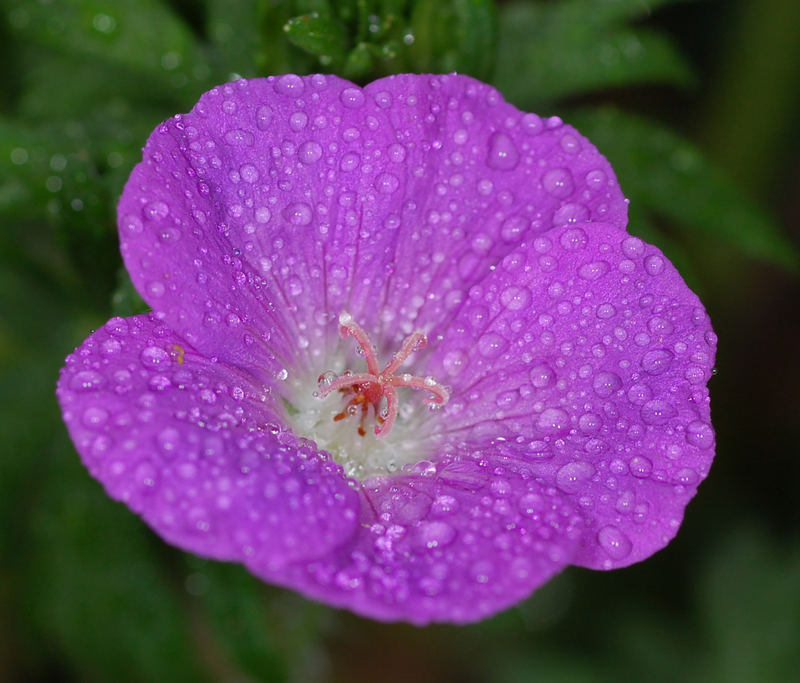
(669, 177)
(234, 28)
(579, 46)
(144, 35)
(750, 600)
(95, 585)
(456, 35)
(322, 36)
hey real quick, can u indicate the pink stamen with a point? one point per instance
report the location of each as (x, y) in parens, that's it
(371, 387)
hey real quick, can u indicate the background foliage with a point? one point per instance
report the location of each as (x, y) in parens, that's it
(703, 137)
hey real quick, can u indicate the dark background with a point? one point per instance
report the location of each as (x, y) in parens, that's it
(696, 104)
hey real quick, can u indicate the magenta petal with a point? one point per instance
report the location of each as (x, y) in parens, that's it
(192, 447)
(278, 203)
(587, 355)
(455, 542)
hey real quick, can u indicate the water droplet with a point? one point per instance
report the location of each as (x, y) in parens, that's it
(154, 357)
(299, 213)
(396, 152)
(491, 345)
(574, 239)
(614, 542)
(350, 161)
(571, 212)
(657, 361)
(542, 376)
(290, 85)
(87, 380)
(94, 417)
(263, 117)
(640, 466)
(310, 152)
(553, 421)
(454, 362)
(594, 270)
(239, 137)
(503, 154)
(531, 124)
(596, 180)
(700, 434)
(249, 173)
(657, 412)
(558, 182)
(436, 534)
(155, 211)
(570, 477)
(298, 121)
(352, 98)
(654, 264)
(515, 298)
(386, 183)
(606, 383)
(132, 224)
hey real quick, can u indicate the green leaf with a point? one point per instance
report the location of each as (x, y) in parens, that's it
(234, 28)
(321, 36)
(668, 176)
(570, 48)
(144, 35)
(457, 35)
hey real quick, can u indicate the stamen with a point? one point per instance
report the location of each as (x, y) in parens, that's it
(370, 388)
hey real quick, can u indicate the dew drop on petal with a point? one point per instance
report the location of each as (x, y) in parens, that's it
(558, 182)
(264, 117)
(553, 421)
(290, 85)
(154, 357)
(616, 544)
(657, 361)
(503, 153)
(87, 380)
(310, 152)
(574, 239)
(352, 98)
(700, 434)
(657, 412)
(298, 214)
(570, 477)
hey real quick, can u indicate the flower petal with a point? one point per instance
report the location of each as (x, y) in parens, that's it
(453, 542)
(278, 203)
(586, 354)
(192, 447)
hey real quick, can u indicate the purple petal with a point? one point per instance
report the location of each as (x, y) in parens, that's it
(192, 447)
(278, 203)
(456, 542)
(587, 353)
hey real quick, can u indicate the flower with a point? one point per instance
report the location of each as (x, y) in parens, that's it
(564, 361)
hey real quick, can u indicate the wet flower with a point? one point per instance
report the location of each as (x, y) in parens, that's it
(403, 357)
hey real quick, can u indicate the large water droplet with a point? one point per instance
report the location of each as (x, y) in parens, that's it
(290, 85)
(503, 154)
(553, 421)
(614, 542)
(570, 478)
(558, 182)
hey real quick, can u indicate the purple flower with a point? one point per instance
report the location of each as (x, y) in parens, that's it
(547, 405)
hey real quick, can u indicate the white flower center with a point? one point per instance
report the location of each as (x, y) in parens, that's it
(361, 418)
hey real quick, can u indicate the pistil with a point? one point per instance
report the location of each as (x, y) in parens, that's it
(371, 387)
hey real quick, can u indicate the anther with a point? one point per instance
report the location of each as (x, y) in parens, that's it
(371, 387)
